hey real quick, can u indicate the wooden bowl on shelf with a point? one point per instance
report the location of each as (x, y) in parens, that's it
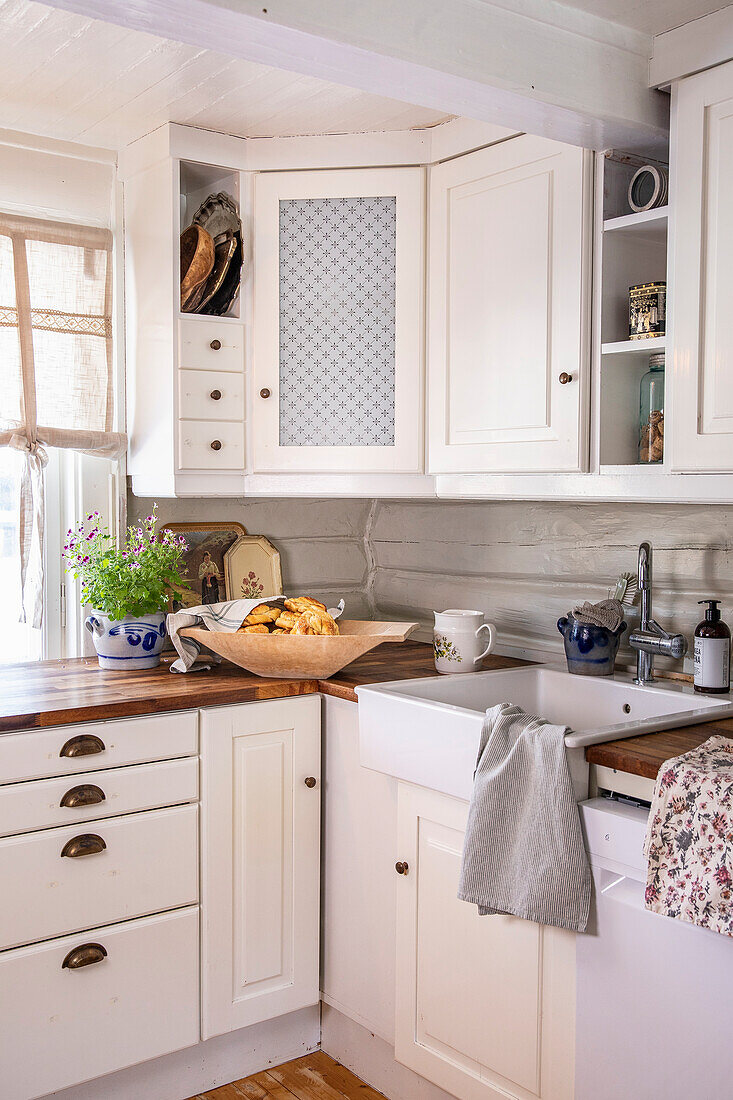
(288, 656)
(197, 262)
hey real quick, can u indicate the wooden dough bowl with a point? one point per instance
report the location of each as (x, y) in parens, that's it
(289, 656)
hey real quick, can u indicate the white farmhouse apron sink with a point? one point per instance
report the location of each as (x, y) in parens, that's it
(427, 731)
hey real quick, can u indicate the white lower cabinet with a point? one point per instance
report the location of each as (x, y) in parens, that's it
(261, 795)
(75, 1008)
(485, 1006)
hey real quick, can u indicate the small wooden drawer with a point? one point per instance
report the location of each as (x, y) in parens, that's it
(213, 396)
(137, 999)
(58, 880)
(91, 796)
(211, 345)
(210, 445)
(65, 750)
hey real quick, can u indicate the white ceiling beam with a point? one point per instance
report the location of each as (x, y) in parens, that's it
(689, 49)
(541, 67)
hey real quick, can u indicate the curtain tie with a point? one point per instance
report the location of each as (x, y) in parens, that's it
(33, 448)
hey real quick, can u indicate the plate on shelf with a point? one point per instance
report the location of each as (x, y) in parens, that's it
(224, 253)
(221, 302)
(218, 216)
(197, 262)
(252, 569)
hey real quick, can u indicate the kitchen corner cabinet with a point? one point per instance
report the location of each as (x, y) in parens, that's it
(508, 333)
(485, 1006)
(702, 390)
(338, 316)
(260, 833)
(185, 372)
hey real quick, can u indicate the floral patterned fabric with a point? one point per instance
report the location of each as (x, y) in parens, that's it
(689, 839)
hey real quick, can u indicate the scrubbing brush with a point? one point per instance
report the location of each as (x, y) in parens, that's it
(626, 590)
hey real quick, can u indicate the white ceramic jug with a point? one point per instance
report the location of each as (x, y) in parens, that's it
(457, 640)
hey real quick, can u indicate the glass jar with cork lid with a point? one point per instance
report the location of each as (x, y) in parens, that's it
(651, 411)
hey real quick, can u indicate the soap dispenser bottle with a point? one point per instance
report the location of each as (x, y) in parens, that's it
(712, 652)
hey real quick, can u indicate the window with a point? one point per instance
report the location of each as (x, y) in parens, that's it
(56, 406)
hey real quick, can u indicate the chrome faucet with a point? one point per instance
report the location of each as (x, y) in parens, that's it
(650, 637)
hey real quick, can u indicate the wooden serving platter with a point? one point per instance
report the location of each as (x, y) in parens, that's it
(294, 655)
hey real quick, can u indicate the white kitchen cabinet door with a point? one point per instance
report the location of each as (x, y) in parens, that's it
(338, 344)
(508, 339)
(260, 861)
(701, 394)
(485, 1006)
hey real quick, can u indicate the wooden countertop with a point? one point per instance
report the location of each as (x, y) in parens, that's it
(56, 693)
(645, 755)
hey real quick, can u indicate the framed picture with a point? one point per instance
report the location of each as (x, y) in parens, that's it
(207, 547)
(252, 569)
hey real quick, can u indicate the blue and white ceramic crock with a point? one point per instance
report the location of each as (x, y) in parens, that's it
(590, 650)
(127, 644)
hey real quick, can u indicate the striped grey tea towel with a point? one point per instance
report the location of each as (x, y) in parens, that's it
(524, 853)
(227, 616)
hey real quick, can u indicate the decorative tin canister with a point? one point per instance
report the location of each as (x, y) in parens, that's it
(647, 310)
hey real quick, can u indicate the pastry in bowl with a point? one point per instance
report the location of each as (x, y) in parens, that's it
(298, 615)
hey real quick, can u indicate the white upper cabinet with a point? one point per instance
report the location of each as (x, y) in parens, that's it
(338, 315)
(702, 392)
(260, 874)
(508, 326)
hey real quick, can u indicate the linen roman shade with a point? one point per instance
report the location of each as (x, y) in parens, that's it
(56, 378)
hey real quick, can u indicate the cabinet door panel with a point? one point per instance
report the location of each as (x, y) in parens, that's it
(338, 344)
(702, 395)
(261, 861)
(485, 1005)
(508, 301)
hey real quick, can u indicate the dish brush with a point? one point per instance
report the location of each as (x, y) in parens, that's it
(626, 590)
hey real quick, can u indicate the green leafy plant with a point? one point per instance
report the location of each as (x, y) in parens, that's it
(136, 578)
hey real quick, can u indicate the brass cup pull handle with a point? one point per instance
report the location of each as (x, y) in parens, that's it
(88, 844)
(215, 444)
(565, 378)
(86, 794)
(83, 956)
(401, 868)
(310, 781)
(215, 395)
(85, 744)
(215, 345)
(265, 393)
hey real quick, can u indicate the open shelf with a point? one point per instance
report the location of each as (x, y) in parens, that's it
(645, 222)
(638, 349)
(196, 182)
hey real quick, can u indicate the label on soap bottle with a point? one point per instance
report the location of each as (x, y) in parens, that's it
(712, 662)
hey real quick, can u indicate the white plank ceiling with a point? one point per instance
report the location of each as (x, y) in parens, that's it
(647, 16)
(77, 79)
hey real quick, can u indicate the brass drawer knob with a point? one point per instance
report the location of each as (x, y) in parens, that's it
(310, 781)
(565, 378)
(86, 794)
(88, 844)
(215, 345)
(401, 868)
(83, 956)
(265, 393)
(215, 395)
(85, 744)
(215, 444)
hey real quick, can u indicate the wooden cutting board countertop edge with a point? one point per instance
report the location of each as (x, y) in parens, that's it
(38, 695)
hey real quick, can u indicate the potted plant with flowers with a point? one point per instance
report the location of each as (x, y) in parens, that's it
(128, 588)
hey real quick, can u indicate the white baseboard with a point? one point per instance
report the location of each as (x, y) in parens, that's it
(372, 1059)
(208, 1065)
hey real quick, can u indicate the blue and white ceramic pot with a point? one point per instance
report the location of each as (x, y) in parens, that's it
(127, 644)
(589, 650)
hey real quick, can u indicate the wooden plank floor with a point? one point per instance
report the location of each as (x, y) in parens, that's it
(314, 1077)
